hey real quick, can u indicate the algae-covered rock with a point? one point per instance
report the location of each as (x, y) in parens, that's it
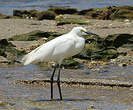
(95, 48)
(62, 21)
(8, 50)
(34, 35)
(25, 13)
(3, 103)
(86, 11)
(4, 42)
(124, 12)
(34, 14)
(46, 15)
(71, 64)
(106, 13)
(92, 45)
(109, 13)
(106, 48)
(118, 40)
(90, 13)
(105, 54)
(58, 10)
(49, 14)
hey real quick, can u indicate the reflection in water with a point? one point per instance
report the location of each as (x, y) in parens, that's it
(74, 100)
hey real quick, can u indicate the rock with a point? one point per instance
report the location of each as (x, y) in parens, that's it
(25, 13)
(8, 52)
(4, 42)
(86, 11)
(95, 49)
(109, 13)
(91, 107)
(71, 64)
(126, 20)
(106, 48)
(34, 35)
(46, 15)
(123, 65)
(3, 60)
(3, 103)
(124, 60)
(124, 12)
(117, 40)
(106, 13)
(58, 10)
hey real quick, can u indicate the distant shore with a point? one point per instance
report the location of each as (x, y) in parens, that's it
(8, 6)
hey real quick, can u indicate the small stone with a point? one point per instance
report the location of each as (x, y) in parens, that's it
(90, 107)
(124, 65)
(3, 60)
(3, 103)
(126, 20)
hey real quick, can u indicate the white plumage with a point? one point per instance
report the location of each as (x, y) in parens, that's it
(59, 48)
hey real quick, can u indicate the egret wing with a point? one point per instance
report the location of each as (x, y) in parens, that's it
(38, 54)
(56, 49)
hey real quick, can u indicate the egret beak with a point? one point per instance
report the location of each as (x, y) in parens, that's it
(90, 33)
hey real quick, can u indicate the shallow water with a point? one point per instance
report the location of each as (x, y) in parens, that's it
(7, 6)
(37, 97)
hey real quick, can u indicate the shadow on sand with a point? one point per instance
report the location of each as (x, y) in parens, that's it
(57, 100)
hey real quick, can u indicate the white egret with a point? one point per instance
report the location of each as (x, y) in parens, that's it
(56, 50)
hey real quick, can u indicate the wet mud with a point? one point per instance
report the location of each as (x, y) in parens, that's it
(17, 95)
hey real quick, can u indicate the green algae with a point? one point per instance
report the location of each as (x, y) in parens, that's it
(8, 50)
(71, 64)
(109, 13)
(34, 35)
(105, 48)
(118, 40)
(25, 13)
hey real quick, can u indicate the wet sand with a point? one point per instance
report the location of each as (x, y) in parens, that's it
(32, 97)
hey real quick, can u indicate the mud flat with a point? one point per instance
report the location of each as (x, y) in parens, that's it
(24, 87)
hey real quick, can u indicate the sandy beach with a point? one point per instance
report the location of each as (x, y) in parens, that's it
(10, 27)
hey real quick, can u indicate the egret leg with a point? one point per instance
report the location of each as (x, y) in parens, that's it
(58, 83)
(52, 80)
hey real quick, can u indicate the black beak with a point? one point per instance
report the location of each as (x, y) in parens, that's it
(90, 33)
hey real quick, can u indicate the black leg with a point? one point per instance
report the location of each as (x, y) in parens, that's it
(52, 80)
(58, 83)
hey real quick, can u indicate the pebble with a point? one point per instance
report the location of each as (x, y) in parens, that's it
(3, 60)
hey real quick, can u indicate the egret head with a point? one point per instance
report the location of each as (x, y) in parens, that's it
(80, 31)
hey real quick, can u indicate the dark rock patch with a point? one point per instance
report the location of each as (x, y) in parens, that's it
(34, 35)
(58, 10)
(46, 15)
(8, 51)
